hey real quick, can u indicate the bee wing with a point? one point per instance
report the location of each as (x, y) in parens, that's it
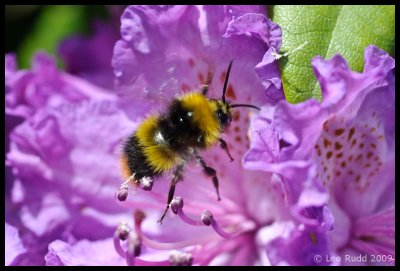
(153, 100)
(157, 96)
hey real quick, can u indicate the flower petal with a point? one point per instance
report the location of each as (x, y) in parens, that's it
(268, 72)
(191, 41)
(300, 248)
(43, 86)
(257, 25)
(89, 57)
(14, 246)
(84, 253)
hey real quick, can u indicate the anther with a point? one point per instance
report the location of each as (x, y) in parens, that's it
(147, 183)
(176, 204)
(139, 216)
(177, 208)
(207, 217)
(123, 231)
(122, 193)
(180, 258)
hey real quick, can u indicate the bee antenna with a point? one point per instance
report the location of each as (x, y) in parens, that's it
(245, 105)
(226, 80)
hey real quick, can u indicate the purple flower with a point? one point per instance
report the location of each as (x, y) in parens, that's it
(64, 157)
(289, 204)
(14, 246)
(83, 252)
(166, 49)
(30, 90)
(346, 145)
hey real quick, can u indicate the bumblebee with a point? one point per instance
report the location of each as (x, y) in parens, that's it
(165, 142)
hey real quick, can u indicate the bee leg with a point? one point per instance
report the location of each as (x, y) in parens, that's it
(177, 178)
(210, 172)
(224, 146)
(210, 75)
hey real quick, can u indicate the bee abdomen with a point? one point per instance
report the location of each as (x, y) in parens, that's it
(136, 159)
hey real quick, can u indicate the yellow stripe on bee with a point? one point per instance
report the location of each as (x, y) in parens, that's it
(159, 156)
(203, 115)
(145, 131)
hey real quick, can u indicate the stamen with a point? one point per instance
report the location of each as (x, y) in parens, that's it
(207, 217)
(122, 192)
(221, 232)
(134, 244)
(176, 204)
(177, 208)
(177, 245)
(123, 231)
(117, 244)
(189, 220)
(180, 258)
(130, 260)
(138, 217)
(147, 183)
(208, 220)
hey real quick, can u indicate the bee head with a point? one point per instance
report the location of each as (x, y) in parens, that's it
(224, 114)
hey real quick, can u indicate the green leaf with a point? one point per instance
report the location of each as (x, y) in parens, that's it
(329, 30)
(54, 24)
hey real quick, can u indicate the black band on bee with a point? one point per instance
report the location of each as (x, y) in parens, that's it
(179, 122)
(136, 159)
